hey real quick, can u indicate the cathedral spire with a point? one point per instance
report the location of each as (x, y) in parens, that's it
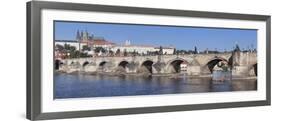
(81, 35)
(78, 36)
(87, 35)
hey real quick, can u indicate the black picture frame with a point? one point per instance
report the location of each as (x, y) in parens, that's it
(33, 110)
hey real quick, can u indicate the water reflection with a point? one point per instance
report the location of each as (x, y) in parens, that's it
(82, 85)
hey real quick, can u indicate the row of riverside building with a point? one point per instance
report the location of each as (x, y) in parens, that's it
(83, 38)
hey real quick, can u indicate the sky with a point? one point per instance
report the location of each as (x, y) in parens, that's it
(185, 38)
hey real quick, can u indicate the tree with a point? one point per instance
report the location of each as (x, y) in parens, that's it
(182, 52)
(99, 49)
(66, 46)
(86, 48)
(69, 47)
(84, 54)
(74, 54)
(59, 47)
(72, 48)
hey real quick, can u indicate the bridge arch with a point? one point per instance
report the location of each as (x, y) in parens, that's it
(58, 63)
(174, 66)
(85, 64)
(146, 66)
(254, 69)
(123, 64)
(214, 61)
(121, 67)
(101, 64)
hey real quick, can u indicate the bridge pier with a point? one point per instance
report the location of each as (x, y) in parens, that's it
(90, 68)
(132, 67)
(193, 70)
(240, 71)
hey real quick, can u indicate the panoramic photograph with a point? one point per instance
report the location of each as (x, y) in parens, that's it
(94, 59)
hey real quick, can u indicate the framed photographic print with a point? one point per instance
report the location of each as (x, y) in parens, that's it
(95, 60)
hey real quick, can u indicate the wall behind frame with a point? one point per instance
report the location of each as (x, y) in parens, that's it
(13, 61)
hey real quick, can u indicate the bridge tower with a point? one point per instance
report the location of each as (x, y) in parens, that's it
(240, 62)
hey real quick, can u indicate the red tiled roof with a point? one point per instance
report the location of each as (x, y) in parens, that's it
(102, 42)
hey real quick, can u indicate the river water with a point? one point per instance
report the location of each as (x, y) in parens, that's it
(85, 85)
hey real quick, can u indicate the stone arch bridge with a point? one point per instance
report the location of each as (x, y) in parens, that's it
(242, 63)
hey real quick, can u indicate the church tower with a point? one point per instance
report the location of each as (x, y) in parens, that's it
(78, 36)
(236, 56)
(85, 36)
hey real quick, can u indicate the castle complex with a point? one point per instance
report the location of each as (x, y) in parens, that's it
(84, 38)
